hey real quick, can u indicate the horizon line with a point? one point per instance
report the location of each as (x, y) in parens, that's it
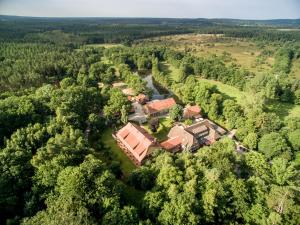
(138, 17)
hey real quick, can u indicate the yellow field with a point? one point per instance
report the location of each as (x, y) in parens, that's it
(104, 45)
(244, 53)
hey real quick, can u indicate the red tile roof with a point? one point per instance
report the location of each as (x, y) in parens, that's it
(192, 111)
(142, 98)
(136, 140)
(171, 143)
(160, 105)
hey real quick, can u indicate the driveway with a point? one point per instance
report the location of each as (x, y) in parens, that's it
(139, 116)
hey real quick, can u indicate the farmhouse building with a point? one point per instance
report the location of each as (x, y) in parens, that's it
(192, 112)
(192, 137)
(136, 142)
(142, 98)
(159, 107)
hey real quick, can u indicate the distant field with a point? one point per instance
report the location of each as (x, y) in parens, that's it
(245, 53)
(104, 45)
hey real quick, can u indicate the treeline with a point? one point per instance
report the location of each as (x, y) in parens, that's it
(284, 57)
(75, 32)
(263, 34)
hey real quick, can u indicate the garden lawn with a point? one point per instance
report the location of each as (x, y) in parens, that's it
(126, 164)
(165, 124)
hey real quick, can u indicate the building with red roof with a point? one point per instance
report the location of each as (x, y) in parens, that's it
(173, 144)
(159, 107)
(136, 142)
(192, 112)
(192, 137)
(142, 98)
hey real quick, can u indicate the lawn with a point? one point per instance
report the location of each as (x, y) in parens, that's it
(131, 194)
(126, 164)
(239, 96)
(284, 110)
(165, 124)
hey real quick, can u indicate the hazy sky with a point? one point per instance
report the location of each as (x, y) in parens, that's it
(243, 9)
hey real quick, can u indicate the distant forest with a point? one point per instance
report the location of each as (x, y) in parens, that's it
(124, 30)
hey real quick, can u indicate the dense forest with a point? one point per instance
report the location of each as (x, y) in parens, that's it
(56, 169)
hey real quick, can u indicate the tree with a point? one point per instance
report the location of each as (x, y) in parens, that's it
(297, 97)
(95, 122)
(251, 140)
(294, 139)
(231, 112)
(272, 145)
(65, 149)
(16, 170)
(124, 116)
(142, 178)
(125, 216)
(83, 195)
(115, 104)
(154, 124)
(176, 113)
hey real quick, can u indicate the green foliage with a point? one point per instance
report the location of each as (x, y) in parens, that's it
(294, 139)
(82, 194)
(176, 112)
(273, 145)
(250, 141)
(283, 60)
(116, 103)
(15, 168)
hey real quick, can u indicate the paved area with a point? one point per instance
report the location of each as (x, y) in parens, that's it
(139, 116)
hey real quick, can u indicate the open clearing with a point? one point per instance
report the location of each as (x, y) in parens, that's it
(165, 124)
(103, 45)
(245, 53)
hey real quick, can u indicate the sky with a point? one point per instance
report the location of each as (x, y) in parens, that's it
(238, 9)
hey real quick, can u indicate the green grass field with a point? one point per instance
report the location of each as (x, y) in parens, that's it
(229, 91)
(165, 124)
(126, 164)
(131, 194)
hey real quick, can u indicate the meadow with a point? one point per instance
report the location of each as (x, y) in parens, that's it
(243, 52)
